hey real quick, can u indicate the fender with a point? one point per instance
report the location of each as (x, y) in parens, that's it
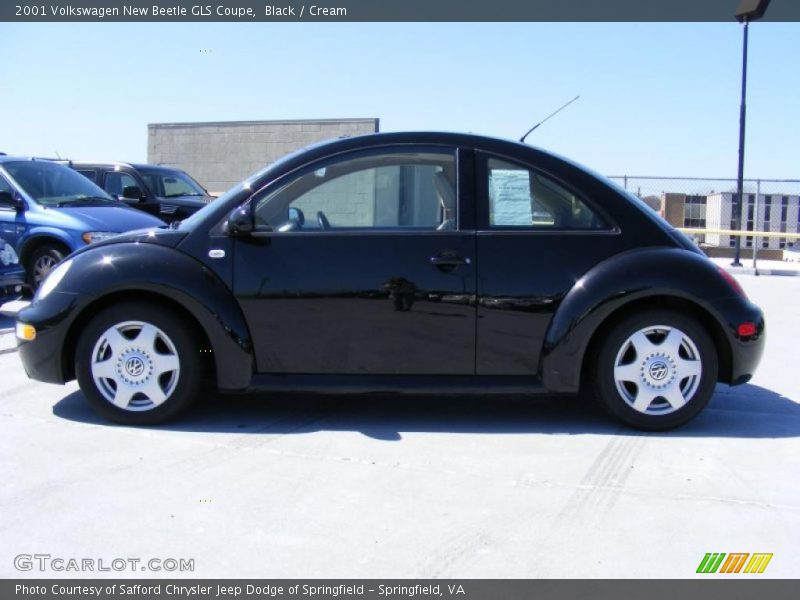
(40, 232)
(119, 268)
(610, 285)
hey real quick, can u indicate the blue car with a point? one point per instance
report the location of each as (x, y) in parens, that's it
(12, 275)
(48, 210)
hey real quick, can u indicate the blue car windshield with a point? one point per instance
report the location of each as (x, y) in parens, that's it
(55, 185)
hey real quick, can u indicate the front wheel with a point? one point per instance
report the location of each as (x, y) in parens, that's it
(43, 260)
(656, 370)
(138, 364)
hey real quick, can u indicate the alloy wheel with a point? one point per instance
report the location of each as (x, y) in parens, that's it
(658, 370)
(42, 267)
(135, 366)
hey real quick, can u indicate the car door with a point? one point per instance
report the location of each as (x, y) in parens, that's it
(114, 183)
(12, 222)
(363, 266)
(537, 236)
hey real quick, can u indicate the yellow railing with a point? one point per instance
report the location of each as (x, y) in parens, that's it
(735, 232)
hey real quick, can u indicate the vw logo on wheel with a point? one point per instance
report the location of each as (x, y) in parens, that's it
(134, 366)
(658, 370)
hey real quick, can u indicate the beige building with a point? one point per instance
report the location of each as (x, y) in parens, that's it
(221, 154)
(776, 213)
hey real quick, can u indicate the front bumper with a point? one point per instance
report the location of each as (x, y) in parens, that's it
(11, 284)
(43, 358)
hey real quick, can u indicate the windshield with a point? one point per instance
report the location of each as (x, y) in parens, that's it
(170, 184)
(50, 184)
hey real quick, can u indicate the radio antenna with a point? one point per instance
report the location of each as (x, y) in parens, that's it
(553, 114)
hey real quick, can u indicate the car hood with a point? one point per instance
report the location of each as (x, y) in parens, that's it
(188, 201)
(109, 218)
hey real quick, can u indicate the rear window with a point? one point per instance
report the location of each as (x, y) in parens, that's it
(524, 198)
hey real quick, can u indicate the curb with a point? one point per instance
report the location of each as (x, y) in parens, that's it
(757, 271)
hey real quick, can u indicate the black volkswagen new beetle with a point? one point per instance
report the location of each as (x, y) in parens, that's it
(403, 262)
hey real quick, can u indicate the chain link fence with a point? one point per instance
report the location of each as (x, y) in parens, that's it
(707, 208)
(653, 186)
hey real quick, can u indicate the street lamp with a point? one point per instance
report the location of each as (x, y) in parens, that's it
(749, 10)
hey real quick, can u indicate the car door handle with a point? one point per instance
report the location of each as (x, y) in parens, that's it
(448, 260)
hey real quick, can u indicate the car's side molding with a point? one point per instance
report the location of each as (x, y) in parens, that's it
(656, 273)
(132, 270)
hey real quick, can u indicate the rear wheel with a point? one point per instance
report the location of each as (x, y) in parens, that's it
(656, 370)
(43, 260)
(138, 364)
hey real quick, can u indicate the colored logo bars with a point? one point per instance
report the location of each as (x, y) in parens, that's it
(719, 562)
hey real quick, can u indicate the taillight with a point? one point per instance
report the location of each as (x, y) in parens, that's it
(732, 282)
(746, 329)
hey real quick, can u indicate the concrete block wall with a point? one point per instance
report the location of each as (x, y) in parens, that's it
(221, 154)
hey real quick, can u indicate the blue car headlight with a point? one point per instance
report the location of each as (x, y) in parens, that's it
(90, 237)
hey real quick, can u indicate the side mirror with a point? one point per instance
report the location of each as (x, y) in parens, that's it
(296, 216)
(240, 222)
(132, 192)
(7, 200)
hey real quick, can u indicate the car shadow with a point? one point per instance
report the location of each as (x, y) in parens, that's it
(744, 412)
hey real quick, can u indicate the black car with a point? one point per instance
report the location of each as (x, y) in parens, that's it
(403, 262)
(166, 192)
(12, 274)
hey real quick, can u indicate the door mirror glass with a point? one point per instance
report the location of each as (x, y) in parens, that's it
(7, 200)
(240, 222)
(296, 216)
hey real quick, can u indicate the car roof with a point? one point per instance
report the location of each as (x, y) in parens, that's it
(154, 167)
(115, 163)
(420, 137)
(512, 148)
(4, 158)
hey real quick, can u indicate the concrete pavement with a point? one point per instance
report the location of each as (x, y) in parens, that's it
(430, 487)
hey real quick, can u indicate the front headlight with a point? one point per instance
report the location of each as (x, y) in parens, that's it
(52, 280)
(90, 237)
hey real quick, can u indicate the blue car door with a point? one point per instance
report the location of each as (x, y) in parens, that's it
(12, 223)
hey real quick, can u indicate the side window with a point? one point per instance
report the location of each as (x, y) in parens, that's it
(524, 198)
(5, 186)
(90, 174)
(397, 190)
(116, 181)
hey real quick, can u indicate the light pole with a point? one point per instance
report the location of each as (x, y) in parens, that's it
(749, 10)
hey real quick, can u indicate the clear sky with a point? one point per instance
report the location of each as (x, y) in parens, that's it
(656, 98)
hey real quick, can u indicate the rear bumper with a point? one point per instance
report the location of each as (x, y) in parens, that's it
(746, 352)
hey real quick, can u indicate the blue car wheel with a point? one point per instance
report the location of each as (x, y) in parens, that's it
(42, 261)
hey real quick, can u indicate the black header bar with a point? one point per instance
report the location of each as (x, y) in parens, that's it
(384, 10)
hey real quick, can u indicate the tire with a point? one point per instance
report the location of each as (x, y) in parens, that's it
(42, 261)
(138, 364)
(655, 370)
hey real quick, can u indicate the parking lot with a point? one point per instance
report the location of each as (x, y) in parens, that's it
(382, 487)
